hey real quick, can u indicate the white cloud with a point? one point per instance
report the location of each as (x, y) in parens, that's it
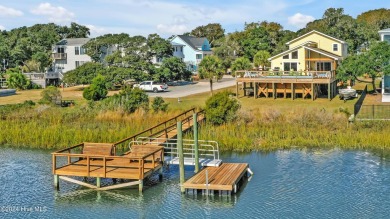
(96, 31)
(172, 29)
(9, 12)
(2, 27)
(300, 20)
(54, 14)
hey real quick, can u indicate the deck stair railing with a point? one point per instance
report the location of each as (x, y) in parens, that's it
(208, 150)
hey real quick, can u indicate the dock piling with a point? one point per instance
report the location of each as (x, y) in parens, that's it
(181, 155)
(195, 126)
(56, 182)
(98, 182)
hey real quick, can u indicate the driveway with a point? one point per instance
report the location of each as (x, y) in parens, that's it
(200, 87)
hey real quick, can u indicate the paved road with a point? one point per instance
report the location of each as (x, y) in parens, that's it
(200, 87)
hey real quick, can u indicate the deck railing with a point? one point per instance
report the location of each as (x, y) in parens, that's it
(286, 74)
(73, 158)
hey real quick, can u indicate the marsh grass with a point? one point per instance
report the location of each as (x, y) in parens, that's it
(262, 124)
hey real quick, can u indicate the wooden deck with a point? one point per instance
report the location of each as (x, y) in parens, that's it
(100, 160)
(223, 178)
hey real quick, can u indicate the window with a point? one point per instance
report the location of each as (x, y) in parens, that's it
(82, 51)
(60, 50)
(290, 66)
(77, 50)
(294, 55)
(335, 47)
(286, 57)
(77, 63)
(198, 56)
(386, 38)
(181, 49)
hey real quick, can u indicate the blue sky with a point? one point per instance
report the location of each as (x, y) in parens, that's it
(168, 17)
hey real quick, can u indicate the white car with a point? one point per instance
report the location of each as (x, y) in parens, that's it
(152, 86)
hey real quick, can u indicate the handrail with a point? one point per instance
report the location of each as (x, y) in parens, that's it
(150, 129)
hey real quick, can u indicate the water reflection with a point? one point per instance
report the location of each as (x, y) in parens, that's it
(294, 184)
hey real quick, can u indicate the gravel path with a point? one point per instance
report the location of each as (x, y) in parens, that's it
(200, 87)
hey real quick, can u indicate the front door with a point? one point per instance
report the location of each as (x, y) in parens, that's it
(324, 66)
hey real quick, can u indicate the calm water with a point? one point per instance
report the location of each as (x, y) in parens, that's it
(286, 184)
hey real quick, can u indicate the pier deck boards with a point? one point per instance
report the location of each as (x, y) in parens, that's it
(224, 177)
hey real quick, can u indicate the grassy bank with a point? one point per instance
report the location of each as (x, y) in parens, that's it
(262, 124)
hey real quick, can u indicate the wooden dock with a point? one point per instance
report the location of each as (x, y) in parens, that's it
(225, 178)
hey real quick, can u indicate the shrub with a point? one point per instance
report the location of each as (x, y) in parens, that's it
(221, 108)
(97, 90)
(50, 95)
(18, 81)
(159, 104)
(128, 100)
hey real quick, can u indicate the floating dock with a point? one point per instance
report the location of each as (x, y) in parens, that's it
(225, 178)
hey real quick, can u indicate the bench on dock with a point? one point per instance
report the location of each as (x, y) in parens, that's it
(105, 149)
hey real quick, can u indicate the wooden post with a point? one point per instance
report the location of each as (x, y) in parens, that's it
(56, 182)
(196, 142)
(244, 84)
(181, 155)
(329, 91)
(255, 90)
(141, 185)
(292, 91)
(236, 89)
(98, 182)
(312, 91)
(273, 90)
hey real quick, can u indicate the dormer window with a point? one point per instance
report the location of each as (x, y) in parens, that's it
(335, 47)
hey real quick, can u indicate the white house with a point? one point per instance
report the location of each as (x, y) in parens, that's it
(177, 52)
(68, 54)
(194, 50)
(385, 36)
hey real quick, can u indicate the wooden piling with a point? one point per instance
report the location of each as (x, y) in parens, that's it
(98, 182)
(56, 182)
(181, 155)
(196, 143)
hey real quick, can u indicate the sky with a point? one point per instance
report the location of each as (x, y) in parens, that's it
(170, 17)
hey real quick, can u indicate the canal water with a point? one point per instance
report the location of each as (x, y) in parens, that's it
(286, 184)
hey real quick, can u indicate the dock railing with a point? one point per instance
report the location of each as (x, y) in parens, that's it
(73, 156)
(163, 128)
(207, 149)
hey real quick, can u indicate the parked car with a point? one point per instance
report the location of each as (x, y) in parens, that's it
(152, 86)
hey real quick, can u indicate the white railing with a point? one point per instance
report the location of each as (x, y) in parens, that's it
(206, 149)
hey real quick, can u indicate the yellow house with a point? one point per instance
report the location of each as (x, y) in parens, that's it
(305, 70)
(313, 51)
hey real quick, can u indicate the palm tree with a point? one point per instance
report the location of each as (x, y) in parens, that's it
(211, 68)
(241, 63)
(261, 58)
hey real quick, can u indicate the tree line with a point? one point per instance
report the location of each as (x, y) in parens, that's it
(30, 47)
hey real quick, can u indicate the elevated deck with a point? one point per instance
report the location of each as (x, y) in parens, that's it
(226, 177)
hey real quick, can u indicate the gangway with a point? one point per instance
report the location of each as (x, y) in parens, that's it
(208, 150)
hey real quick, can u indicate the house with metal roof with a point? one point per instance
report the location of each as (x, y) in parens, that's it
(194, 50)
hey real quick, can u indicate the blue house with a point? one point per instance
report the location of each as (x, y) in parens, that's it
(385, 36)
(195, 49)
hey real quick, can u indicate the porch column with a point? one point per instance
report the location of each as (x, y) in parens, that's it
(236, 89)
(255, 90)
(273, 90)
(329, 91)
(244, 84)
(292, 91)
(312, 91)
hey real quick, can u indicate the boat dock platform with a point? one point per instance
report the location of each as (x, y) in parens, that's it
(225, 178)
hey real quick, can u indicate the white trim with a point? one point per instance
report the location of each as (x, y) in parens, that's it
(314, 31)
(329, 55)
